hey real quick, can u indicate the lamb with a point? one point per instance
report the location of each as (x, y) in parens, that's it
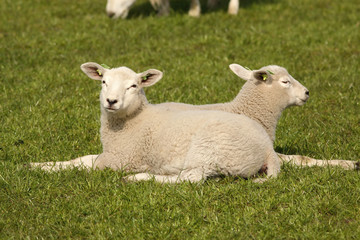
(120, 8)
(255, 100)
(171, 146)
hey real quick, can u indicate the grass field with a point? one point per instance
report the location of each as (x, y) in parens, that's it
(50, 112)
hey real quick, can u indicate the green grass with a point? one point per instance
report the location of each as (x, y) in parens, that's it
(50, 112)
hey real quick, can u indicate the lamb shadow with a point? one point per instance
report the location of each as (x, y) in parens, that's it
(223, 5)
(182, 6)
(145, 9)
(285, 150)
(288, 150)
(139, 10)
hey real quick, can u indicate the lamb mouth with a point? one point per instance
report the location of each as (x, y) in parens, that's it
(300, 102)
(110, 109)
(303, 100)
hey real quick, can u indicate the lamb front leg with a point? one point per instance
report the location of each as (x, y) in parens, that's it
(148, 176)
(161, 6)
(195, 8)
(271, 167)
(233, 7)
(85, 162)
(193, 175)
(305, 161)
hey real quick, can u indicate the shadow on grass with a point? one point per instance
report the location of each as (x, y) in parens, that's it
(182, 7)
(288, 150)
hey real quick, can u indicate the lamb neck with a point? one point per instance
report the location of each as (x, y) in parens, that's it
(258, 106)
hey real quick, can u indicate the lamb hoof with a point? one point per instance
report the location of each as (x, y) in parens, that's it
(27, 165)
(357, 165)
(260, 180)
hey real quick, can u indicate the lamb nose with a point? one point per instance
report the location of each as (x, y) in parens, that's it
(110, 14)
(307, 93)
(111, 101)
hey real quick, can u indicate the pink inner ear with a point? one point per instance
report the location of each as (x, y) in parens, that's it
(94, 72)
(145, 79)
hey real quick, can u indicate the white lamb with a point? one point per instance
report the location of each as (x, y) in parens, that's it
(262, 100)
(120, 8)
(172, 146)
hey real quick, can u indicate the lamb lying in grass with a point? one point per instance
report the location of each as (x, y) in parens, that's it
(264, 100)
(171, 146)
(120, 8)
(255, 100)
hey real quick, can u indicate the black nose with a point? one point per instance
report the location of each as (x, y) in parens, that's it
(111, 101)
(110, 14)
(307, 93)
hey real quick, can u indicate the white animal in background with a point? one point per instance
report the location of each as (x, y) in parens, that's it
(171, 146)
(120, 8)
(263, 101)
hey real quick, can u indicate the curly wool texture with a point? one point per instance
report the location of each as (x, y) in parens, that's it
(168, 143)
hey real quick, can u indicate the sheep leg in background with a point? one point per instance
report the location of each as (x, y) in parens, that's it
(161, 6)
(155, 4)
(195, 8)
(233, 7)
(304, 161)
(86, 162)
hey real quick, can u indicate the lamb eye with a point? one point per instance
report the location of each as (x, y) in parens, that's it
(132, 86)
(103, 82)
(286, 82)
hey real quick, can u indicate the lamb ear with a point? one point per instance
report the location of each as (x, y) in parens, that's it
(150, 77)
(93, 70)
(262, 76)
(240, 71)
